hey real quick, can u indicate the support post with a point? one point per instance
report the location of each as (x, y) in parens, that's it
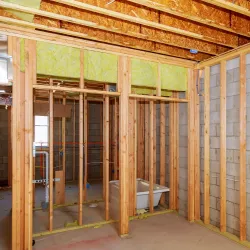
(80, 178)
(146, 155)
(74, 143)
(64, 155)
(223, 146)
(163, 149)
(9, 148)
(151, 157)
(191, 146)
(123, 80)
(243, 216)
(85, 120)
(51, 153)
(106, 152)
(207, 146)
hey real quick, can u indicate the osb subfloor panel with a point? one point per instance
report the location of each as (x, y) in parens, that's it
(162, 232)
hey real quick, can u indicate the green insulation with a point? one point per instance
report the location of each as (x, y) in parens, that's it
(100, 66)
(62, 61)
(173, 77)
(27, 3)
(58, 60)
(143, 73)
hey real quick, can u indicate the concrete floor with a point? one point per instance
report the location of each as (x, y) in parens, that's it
(161, 232)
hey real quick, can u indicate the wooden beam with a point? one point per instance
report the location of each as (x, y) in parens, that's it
(151, 158)
(64, 154)
(30, 79)
(123, 78)
(229, 6)
(106, 152)
(135, 19)
(243, 174)
(51, 153)
(163, 149)
(183, 15)
(244, 49)
(154, 142)
(207, 146)
(85, 142)
(78, 90)
(204, 46)
(158, 98)
(223, 146)
(191, 148)
(81, 135)
(79, 43)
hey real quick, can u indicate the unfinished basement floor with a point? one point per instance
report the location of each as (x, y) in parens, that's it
(168, 231)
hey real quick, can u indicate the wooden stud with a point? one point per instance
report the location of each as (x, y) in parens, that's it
(243, 174)
(85, 125)
(141, 140)
(196, 145)
(131, 134)
(191, 149)
(116, 112)
(154, 142)
(123, 79)
(81, 135)
(151, 158)
(51, 153)
(207, 146)
(30, 79)
(106, 152)
(64, 154)
(163, 149)
(146, 156)
(74, 143)
(171, 156)
(223, 146)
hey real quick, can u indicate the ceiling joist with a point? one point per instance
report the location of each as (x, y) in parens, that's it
(208, 22)
(156, 25)
(229, 6)
(157, 48)
(155, 35)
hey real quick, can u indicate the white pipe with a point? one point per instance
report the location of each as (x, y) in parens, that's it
(47, 174)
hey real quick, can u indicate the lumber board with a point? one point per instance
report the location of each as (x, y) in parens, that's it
(64, 152)
(151, 157)
(146, 156)
(243, 174)
(163, 149)
(123, 78)
(207, 146)
(81, 139)
(9, 148)
(191, 148)
(223, 146)
(85, 142)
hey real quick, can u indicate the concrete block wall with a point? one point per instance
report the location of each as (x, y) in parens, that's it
(3, 144)
(183, 159)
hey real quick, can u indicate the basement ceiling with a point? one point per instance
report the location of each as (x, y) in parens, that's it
(169, 27)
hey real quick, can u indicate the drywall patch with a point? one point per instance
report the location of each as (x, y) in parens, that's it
(27, 3)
